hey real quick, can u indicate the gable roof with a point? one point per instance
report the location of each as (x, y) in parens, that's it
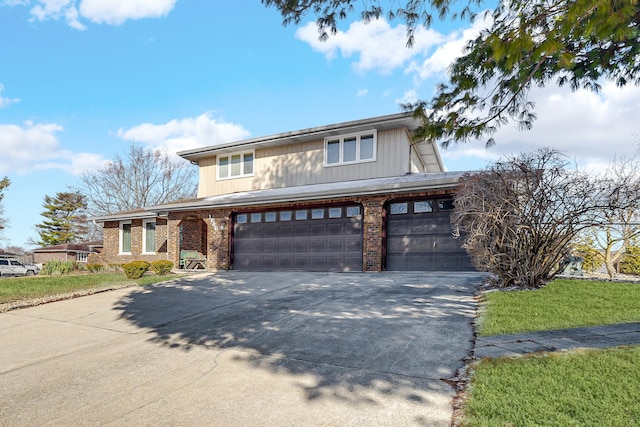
(425, 149)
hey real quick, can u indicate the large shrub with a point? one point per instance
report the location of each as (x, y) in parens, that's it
(135, 269)
(162, 266)
(630, 263)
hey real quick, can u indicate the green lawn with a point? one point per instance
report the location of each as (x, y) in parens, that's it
(576, 388)
(561, 304)
(586, 388)
(24, 288)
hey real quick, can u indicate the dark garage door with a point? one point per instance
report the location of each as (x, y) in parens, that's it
(420, 237)
(314, 239)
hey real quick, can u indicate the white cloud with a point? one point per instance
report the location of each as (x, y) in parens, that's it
(362, 92)
(184, 134)
(453, 47)
(589, 128)
(5, 102)
(56, 9)
(113, 12)
(377, 45)
(116, 12)
(35, 146)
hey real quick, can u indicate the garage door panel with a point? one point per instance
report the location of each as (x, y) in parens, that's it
(335, 245)
(321, 244)
(317, 246)
(423, 241)
(284, 246)
(270, 230)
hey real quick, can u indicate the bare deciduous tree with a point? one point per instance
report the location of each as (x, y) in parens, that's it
(142, 178)
(519, 215)
(618, 225)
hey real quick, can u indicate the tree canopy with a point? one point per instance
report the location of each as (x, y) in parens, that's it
(142, 177)
(529, 43)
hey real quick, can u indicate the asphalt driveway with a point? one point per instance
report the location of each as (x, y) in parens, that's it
(242, 349)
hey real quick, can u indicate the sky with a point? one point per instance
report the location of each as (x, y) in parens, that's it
(81, 80)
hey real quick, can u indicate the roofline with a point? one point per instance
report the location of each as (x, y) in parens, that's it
(193, 154)
(147, 213)
(444, 183)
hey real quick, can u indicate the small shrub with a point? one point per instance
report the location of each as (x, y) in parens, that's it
(95, 268)
(135, 269)
(630, 263)
(162, 267)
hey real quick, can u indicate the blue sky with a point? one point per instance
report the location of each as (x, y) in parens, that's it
(82, 79)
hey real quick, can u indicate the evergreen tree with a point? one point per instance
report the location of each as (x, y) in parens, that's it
(65, 219)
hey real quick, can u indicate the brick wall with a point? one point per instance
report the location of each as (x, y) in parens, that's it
(209, 231)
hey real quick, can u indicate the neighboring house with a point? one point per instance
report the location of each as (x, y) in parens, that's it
(5, 254)
(354, 196)
(77, 252)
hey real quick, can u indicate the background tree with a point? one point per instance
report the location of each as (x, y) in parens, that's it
(618, 227)
(142, 177)
(520, 215)
(65, 219)
(4, 222)
(529, 43)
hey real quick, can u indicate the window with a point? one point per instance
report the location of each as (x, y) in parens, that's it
(285, 216)
(335, 212)
(270, 217)
(350, 149)
(241, 219)
(353, 211)
(398, 208)
(421, 207)
(256, 217)
(125, 237)
(317, 213)
(82, 256)
(301, 215)
(149, 236)
(235, 165)
(445, 205)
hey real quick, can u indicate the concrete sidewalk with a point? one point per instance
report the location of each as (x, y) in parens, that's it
(557, 340)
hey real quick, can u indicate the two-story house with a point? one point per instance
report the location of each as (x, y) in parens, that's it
(353, 196)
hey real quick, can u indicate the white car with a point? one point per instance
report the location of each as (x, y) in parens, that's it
(12, 267)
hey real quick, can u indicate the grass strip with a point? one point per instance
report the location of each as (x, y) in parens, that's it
(582, 388)
(24, 288)
(564, 303)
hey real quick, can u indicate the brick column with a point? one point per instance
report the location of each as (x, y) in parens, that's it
(372, 244)
(218, 233)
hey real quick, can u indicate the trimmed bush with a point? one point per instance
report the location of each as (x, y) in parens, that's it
(135, 269)
(162, 267)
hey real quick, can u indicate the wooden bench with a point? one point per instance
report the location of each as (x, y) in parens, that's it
(191, 260)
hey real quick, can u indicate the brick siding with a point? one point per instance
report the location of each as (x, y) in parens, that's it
(209, 231)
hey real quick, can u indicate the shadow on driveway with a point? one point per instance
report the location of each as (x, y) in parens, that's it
(361, 336)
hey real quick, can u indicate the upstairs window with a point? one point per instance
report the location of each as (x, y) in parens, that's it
(235, 165)
(350, 149)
